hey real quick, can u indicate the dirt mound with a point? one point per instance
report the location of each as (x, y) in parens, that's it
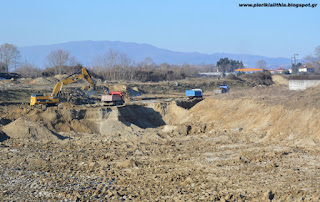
(117, 87)
(128, 91)
(60, 76)
(64, 120)
(53, 79)
(41, 81)
(105, 121)
(309, 98)
(277, 79)
(273, 123)
(24, 128)
(114, 130)
(259, 78)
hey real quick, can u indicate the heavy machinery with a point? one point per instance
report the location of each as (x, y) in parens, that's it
(194, 93)
(222, 89)
(113, 97)
(53, 98)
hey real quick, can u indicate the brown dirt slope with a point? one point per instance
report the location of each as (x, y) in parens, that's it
(41, 81)
(277, 79)
(24, 128)
(275, 123)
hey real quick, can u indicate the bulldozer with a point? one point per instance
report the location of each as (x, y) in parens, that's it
(54, 97)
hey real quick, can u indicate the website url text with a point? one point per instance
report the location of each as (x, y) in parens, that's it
(286, 5)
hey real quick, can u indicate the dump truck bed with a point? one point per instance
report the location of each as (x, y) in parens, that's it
(193, 93)
(111, 98)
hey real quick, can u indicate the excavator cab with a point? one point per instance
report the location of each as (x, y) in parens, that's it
(42, 99)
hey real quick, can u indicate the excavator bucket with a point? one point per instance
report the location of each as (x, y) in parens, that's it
(89, 90)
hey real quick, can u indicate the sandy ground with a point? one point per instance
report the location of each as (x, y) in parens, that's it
(258, 144)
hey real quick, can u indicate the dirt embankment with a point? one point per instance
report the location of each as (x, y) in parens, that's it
(227, 147)
(272, 123)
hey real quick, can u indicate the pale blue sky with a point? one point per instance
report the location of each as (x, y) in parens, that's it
(206, 26)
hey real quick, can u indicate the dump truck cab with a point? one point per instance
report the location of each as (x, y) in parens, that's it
(224, 88)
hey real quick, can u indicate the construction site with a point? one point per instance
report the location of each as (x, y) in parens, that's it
(258, 142)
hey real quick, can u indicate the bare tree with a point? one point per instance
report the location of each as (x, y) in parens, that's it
(3, 67)
(147, 63)
(9, 55)
(73, 61)
(125, 61)
(261, 64)
(314, 60)
(164, 66)
(58, 59)
(98, 64)
(208, 68)
(29, 71)
(190, 70)
(114, 65)
(111, 62)
(111, 59)
(125, 64)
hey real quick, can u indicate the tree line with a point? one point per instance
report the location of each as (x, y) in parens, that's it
(114, 65)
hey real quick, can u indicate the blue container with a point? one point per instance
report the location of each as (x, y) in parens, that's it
(193, 93)
(224, 87)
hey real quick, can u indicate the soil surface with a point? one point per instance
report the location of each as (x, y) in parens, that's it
(256, 143)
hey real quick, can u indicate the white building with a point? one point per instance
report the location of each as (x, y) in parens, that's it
(306, 69)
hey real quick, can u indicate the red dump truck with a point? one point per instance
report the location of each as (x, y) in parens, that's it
(112, 98)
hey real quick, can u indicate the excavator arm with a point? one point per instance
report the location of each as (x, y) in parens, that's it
(53, 98)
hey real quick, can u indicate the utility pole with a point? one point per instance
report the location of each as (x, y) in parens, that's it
(295, 59)
(294, 66)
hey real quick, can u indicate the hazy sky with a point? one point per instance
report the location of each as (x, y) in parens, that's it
(206, 26)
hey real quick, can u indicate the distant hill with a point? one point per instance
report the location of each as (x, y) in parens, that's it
(86, 51)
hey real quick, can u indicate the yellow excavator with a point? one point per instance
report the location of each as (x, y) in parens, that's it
(53, 98)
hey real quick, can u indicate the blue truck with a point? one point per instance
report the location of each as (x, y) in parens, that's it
(222, 89)
(194, 93)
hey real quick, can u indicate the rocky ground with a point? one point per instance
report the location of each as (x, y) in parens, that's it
(238, 147)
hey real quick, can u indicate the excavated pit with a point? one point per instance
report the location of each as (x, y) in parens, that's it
(141, 116)
(37, 124)
(186, 117)
(3, 136)
(219, 149)
(188, 104)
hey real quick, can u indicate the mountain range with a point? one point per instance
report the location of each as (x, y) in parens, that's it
(86, 51)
